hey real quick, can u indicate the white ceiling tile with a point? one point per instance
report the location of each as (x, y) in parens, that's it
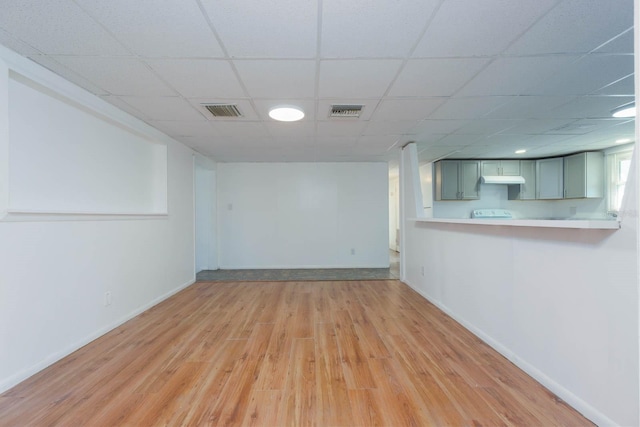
(264, 105)
(406, 109)
(485, 27)
(468, 108)
(266, 29)
(379, 141)
(199, 77)
(486, 126)
(244, 105)
(530, 127)
(163, 108)
(501, 140)
(470, 151)
(590, 107)
(339, 142)
(525, 107)
(541, 140)
(57, 27)
(438, 126)
(53, 65)
(431, 153)
(169, 28)
(278, 78)
(435, 77)
(517, 76)
(356, 78)
(368, 151)
(283, 130)
(242, 129)
(385, 127)
(340, 127)
(295, 141)
(269, 55)
(186, 128)
(430, 139)
(14, 44)
(576, 26)
(348, 27)
(251, 141)
(117, 76)
(622, 43)
(117, 102)
(455, 139)
(584, 126)
(625, 86)
(587, 75)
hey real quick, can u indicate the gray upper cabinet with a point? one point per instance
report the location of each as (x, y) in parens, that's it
(526, 191)
(457, 180)
(549, 178)
(584, 175)
(501, 167)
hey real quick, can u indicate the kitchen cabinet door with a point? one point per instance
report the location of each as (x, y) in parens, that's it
(457, 180)
(526, 191)
(491, 167)
(447, 180)
(550, 178)
(501, 167)
(469, 180)
(510, 167)
(584, 175)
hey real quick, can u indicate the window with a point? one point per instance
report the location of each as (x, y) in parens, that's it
(618, 170)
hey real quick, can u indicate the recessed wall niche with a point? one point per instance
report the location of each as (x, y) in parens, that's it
(66, 158)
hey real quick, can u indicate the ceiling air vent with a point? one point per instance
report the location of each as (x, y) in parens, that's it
(349, 111)
(223, 110)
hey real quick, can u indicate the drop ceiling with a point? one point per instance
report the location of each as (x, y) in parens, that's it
(462, 78)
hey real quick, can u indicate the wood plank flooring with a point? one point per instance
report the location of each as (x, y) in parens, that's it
(350, 353)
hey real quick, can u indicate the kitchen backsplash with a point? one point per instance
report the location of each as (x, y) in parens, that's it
(495, 196)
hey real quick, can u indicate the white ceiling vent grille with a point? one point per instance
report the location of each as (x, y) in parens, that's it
(348, 111)
(223, 110)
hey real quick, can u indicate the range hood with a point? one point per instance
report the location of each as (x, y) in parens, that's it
(501, 179)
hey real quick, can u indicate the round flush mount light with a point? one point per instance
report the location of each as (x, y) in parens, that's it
(286, 113)
(625, 111)
(520, 151)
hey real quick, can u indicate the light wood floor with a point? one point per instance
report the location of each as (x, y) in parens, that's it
(287, 353)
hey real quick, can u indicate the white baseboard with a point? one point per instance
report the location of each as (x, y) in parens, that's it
(574, 401)
(17, 378)
(295, 267)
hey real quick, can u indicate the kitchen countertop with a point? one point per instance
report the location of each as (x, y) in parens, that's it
(594, 224)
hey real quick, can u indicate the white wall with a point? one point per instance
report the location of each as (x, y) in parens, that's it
(55, 270)
(303, 215)
(394, 213)
(561, 304)
(205, 214)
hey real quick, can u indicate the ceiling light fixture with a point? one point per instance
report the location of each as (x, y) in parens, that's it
(625, 111)
(521, 151)
(623, 140)
(286, 113)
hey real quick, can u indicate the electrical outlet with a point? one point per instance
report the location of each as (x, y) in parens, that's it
(422, 270)
(107, 298)
(353, 251)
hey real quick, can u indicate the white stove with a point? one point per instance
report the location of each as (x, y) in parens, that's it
(491, 214)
